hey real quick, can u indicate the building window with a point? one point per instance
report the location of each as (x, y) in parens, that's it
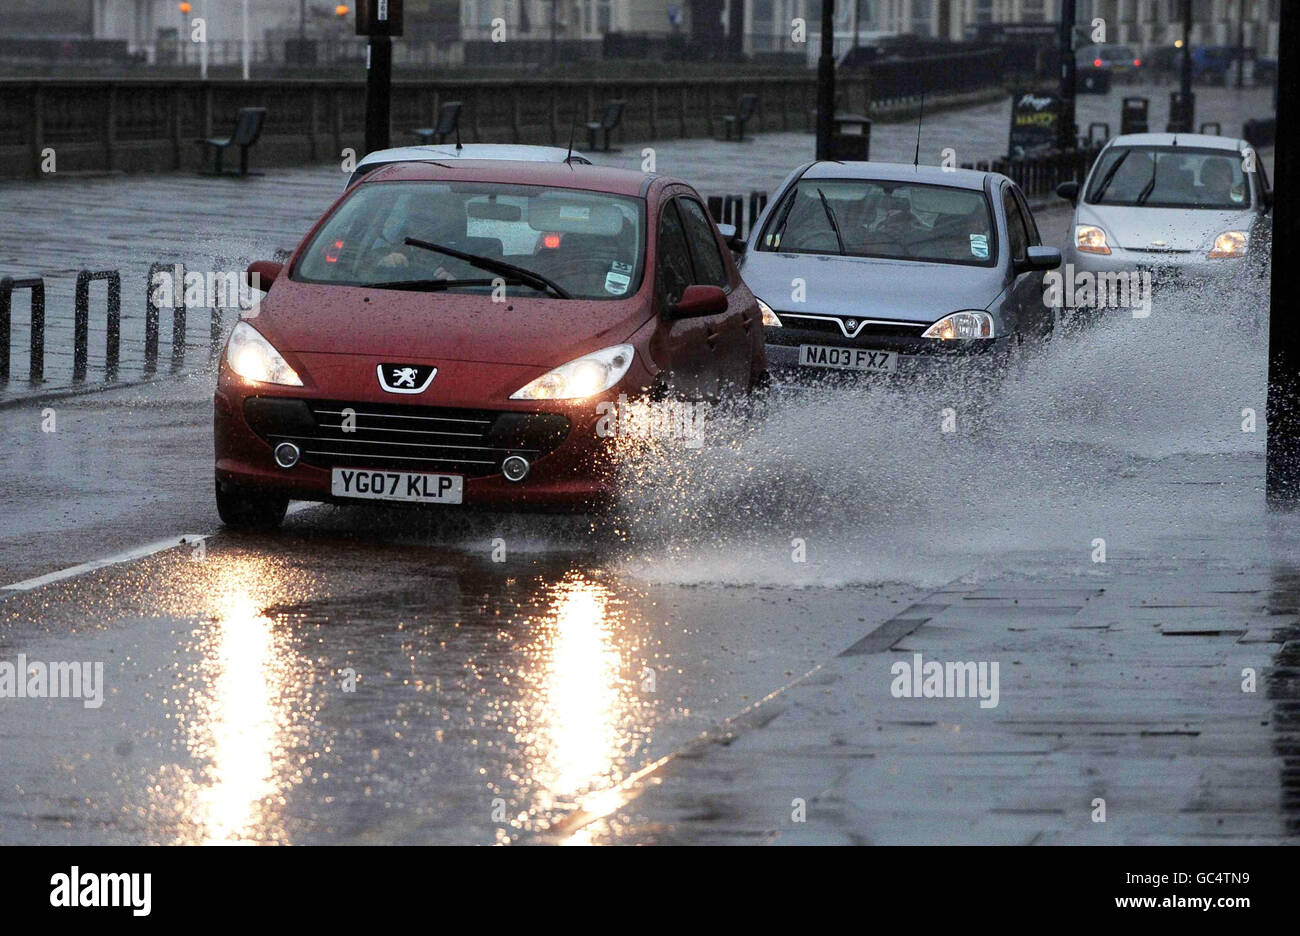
(1032, 11)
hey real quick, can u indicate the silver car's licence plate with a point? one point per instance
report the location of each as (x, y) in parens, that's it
(862, 359)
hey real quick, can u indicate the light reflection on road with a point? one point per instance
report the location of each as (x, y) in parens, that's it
(580, 703)
(242, 723)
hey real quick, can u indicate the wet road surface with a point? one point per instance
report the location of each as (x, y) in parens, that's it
(355, 679)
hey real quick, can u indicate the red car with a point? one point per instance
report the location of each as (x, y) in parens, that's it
(446, 334)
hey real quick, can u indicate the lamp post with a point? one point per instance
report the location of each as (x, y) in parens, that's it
(184, 31)
(245, 52)
(1283, 471)
(1185, 78)
(826, 82)
(1067, 132)
(1241, 44)
(203, 46)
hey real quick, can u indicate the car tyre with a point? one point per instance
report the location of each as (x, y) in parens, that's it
(244, 509)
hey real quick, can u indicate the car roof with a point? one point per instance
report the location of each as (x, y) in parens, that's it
(1190, 140)
(470, 151)
(899, 172)
(557, 175)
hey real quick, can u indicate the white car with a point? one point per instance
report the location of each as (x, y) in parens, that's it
(444, 152)
(1173, 203)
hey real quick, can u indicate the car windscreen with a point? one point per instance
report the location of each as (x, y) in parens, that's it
(591, 244)
(887, 219)
(1169, 177)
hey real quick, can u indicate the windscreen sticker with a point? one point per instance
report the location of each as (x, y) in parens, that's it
(979, 246)
(575, 212)
(617, 267)
(616, 283)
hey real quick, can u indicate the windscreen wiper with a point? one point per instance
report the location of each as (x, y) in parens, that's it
(500, 267)
(1150, 186)
(830, 216)
(436, 285)
(1110, 174)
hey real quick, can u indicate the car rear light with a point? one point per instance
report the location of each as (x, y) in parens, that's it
(551, 241)
(334, 257)
(1137, 63)
(1096, 63)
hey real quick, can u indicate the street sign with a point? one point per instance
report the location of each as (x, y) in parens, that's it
(379, 17)
(1034, 120)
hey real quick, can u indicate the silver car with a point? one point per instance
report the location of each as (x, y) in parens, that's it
(1178, 205)
(895, 269)
(443, 152)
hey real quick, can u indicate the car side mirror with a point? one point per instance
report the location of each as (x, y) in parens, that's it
(699, 301)
(1069, 191)
(266, 271)
(735, 243)
(1039, 258)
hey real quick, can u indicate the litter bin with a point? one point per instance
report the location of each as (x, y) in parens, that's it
(851, 138)
(1133, 115)
(1182, 113)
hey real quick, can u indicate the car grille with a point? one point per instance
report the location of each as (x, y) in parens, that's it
(830, 326)
(414, 438)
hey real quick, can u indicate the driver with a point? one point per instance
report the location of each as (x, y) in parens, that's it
(439, 220)
(1217, 181)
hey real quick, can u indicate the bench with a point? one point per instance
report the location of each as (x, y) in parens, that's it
(448, 123)
(745, 108)
(613, 114)
(248, 127)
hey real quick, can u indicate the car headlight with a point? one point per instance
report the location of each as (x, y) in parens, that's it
(1090, 239)
(769, 317)
(582, 377)
(252, 357)
(1229, 244)
(971, 324)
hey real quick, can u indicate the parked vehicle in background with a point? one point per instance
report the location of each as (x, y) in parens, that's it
(1120, 63)
(1211, 64)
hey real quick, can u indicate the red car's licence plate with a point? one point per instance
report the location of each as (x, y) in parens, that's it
(377, 484)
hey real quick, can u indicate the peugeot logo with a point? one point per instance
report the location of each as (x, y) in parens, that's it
(405, 378)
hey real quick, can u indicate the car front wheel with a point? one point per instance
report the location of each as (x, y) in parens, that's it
(244, 509)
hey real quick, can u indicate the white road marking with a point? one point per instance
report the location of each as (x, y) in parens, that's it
(129, 555)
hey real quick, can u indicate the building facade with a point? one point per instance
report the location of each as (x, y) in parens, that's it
(791, 26)
(1143, 23)
(572, 19)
